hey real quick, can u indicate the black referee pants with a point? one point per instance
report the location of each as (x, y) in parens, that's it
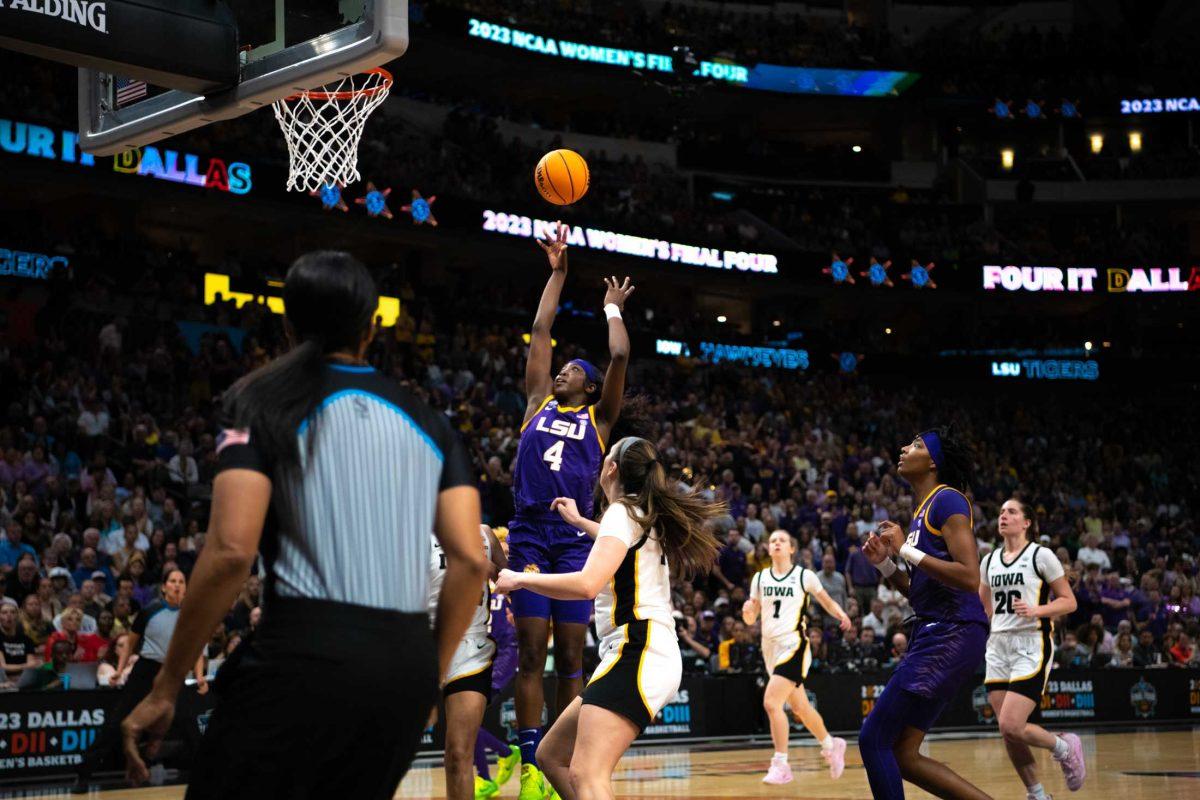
(325, 700)
(137, 686)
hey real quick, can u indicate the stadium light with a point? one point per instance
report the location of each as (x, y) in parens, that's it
(1097, 142)
(721, 318)
(887, 331)
(1006, 158)
(1135, 141)
(1087, 346)
(776, 323)
(857, 148)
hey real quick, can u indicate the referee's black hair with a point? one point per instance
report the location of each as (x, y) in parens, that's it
(958, 459)
(330, 300)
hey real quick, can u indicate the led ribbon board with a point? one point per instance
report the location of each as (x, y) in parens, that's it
(751, 356)
(764, 77)
(218, 289)
(1087, 279)
(38, 141)
(1160, 105)
(630, 245)
(1047, 369)
(35, 266)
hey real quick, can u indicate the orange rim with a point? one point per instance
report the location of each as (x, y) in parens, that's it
(317, 94)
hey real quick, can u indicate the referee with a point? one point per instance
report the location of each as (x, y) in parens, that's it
(336, 475)
(149, 640)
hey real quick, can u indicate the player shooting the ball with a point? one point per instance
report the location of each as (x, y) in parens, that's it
(569, 418)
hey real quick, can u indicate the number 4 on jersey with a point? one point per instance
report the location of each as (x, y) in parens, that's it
(553, 456)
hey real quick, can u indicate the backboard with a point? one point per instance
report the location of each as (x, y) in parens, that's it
(283, 46)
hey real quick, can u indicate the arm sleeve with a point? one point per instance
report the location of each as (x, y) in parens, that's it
(948, 503)
(811, 582)
(456, 464)
(618, 524)
(1048, 565)
(237, 448)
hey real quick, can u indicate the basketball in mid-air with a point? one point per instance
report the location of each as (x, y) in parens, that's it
(562, 177)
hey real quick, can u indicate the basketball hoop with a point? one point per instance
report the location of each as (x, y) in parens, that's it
(322, 128)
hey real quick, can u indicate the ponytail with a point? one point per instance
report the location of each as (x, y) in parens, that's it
(330, 301)
(680, 516)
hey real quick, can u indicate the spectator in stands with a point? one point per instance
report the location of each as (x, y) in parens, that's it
(106, 625)
(51, 605)
(1091, 554)
(875, 620)
(870, 651)
(834, 582)
(101, 579)
(1072, 655)
(695, 653)
(1115, 599)
(60, 585)
(862, 576)
(13, 546)
(85, 647)
(36, 626)
(53, 674)
(754, 530)
(1183, 654)
(123, 613)
(87, 624)
(899, 648)
(1145, 652)
(89, 599)
(27, 580)
(731, 561)
(88, 565)
(1122, 656)
(17, 652)
(125, 589)
(248, 600)
(144, 591)
(819, 650)
(132, 542)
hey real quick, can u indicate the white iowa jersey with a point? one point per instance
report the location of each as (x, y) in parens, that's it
(437, 573)
(641, 586)
(783, 599)
(1026, 577)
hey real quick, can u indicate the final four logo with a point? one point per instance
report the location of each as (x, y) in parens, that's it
(1144, 698)
(983, 709)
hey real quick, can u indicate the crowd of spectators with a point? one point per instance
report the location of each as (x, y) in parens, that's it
(107, 449)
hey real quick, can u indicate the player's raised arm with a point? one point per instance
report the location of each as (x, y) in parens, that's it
(609, 407)
(537, 367)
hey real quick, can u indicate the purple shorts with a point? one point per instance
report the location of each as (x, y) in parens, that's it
(504, 666)
(552, 547)
(941, 656)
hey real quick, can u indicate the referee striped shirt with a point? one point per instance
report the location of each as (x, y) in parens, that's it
(353, 524)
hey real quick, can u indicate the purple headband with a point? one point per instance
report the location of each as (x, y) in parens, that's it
(933, 443)
(593, 374)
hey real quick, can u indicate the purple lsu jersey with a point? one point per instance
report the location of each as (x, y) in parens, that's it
(930, 598)
(500, 629)
(559, 456)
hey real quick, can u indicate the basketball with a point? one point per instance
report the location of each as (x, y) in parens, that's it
(562, 177)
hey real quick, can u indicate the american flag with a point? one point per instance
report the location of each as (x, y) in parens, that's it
(232, 436)
(128, 90)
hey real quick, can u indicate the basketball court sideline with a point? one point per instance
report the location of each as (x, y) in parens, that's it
(1133, 765)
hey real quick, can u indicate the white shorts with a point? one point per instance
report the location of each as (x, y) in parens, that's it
(1019, 662)
(639, 672)
(471, 666)
(788, 656)
(776, 648)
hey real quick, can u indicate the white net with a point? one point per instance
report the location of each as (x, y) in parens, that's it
(322, 129)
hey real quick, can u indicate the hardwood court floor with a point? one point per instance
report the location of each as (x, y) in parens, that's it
(1145, 765)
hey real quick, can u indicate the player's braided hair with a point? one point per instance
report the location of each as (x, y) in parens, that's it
(958, 459)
